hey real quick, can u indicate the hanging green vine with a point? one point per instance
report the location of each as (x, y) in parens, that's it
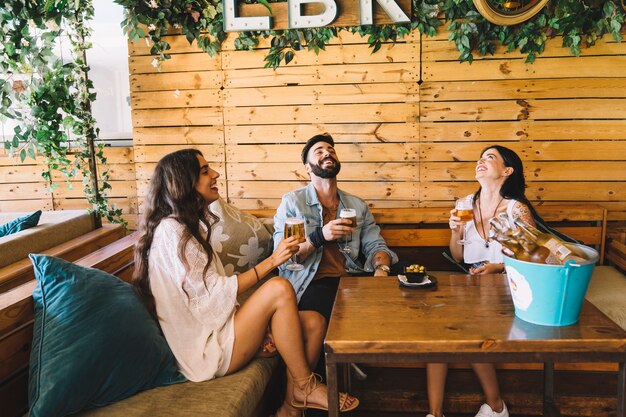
(579, 22)
(49, 98)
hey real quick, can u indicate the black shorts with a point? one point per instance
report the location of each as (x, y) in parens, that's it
(320, 296)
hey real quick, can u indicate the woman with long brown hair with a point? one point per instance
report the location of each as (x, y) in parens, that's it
(185, 287)
(500, 173)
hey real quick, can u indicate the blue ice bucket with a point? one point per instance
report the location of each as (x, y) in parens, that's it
(550, 295)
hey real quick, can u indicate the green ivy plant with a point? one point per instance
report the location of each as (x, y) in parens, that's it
(51, 98)
(579, 22)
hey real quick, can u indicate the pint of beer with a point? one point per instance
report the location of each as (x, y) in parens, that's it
(349, 214)
(294, 227)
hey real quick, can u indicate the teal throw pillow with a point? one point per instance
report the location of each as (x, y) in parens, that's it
(19, 224)
(94, 342)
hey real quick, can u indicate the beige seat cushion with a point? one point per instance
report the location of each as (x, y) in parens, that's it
(607, 291)
(235, 395)
(54, 228)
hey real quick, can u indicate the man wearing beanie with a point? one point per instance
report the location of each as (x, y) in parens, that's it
(319, 204)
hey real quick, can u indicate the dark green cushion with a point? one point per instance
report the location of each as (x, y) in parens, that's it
(19, 224)
(94, 343)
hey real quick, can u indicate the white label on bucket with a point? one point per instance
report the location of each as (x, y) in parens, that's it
(520, 289)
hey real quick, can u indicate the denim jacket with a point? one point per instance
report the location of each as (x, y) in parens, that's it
(366, 239)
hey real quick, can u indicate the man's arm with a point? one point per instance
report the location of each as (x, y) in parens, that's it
(381, 263)
(373, 245)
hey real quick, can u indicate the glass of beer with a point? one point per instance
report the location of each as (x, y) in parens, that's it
(294, 227)
(465, 211)
(349, 214)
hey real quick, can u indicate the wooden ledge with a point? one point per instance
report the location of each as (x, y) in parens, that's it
(22, 271)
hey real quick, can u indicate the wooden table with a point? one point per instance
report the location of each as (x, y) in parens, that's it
(465, 319)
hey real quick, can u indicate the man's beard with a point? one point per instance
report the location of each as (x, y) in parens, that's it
(328, 172)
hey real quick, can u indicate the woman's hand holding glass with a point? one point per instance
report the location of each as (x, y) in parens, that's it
(294, 227)
(285, 250)
(463, 213)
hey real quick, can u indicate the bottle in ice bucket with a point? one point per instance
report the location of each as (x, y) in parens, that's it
(517, 243)
(559, 249)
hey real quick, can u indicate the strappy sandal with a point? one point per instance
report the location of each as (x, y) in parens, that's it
(311, 383)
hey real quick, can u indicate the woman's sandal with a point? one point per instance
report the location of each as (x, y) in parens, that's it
(311, 383)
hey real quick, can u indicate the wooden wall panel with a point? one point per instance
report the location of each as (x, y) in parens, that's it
(21, 186)
(250, 122)
(335, 54)
(344, 132)
(409, 121)
(23, 189)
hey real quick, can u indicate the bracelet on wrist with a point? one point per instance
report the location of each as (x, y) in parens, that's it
(256, 273)
(317, 237)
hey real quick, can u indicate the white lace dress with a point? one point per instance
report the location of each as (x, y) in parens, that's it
(196, 310)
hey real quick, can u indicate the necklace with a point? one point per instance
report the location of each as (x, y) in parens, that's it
(482, 224)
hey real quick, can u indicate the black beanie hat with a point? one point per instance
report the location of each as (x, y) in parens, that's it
(324, 137)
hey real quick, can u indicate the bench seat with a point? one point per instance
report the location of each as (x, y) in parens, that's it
(235, 395)
(249, 392)
(609, 293)
(54, 228)
(21, 271)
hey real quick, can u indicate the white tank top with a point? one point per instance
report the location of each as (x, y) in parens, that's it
(475, 250)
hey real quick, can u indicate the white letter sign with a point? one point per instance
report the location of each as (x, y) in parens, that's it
(391, 8)
(232, 23)
(296, 20)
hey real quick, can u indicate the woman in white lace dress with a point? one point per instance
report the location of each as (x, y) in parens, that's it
(500, 172)
(183, 283)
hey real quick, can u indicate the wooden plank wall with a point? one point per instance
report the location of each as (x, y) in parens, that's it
(23, 189)
(409, 121)
(250, 122)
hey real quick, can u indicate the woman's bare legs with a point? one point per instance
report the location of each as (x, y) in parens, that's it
(486, 374)
(275, 303)
(436, 377)
(313, 331)
(436, 383)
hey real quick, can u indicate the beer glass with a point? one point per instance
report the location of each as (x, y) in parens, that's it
(465, 211)
(349, 214)
(294, 227)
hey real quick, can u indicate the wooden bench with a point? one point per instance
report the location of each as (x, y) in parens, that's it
(16, 333)
(22, 271)
(16, 309)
